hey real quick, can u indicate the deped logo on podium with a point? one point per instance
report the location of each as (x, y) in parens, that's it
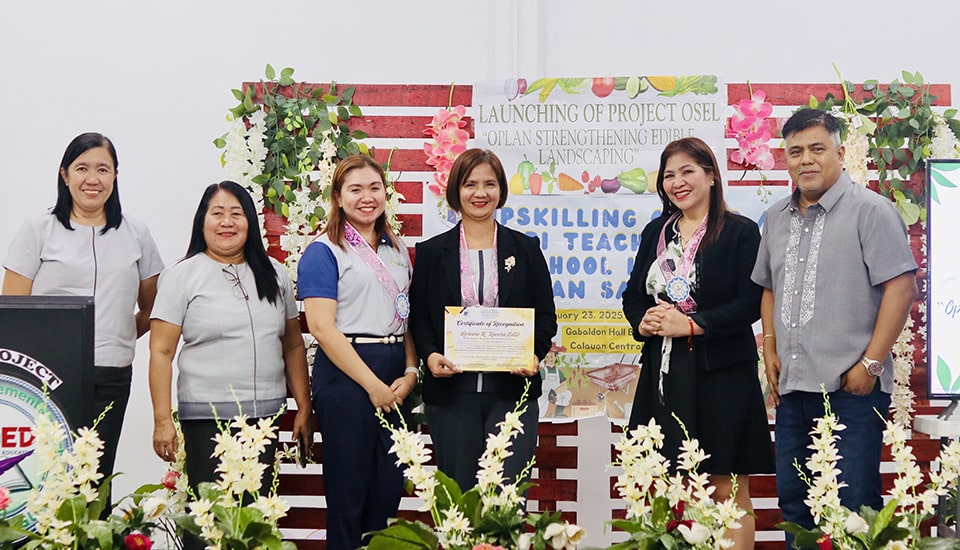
(22, 401)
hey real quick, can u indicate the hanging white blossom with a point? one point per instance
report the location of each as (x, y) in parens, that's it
(857, 152)
(944, 144)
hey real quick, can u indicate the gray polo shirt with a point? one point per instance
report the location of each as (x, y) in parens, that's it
(826, 270)
(82, 262)
(232, 355)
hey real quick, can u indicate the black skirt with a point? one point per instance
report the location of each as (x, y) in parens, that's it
(723, 409)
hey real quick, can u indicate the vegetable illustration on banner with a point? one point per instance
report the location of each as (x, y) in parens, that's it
(591, 135)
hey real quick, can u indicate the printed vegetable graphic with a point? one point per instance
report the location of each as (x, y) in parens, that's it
(634, 179)
(652, 181)
(549, 177)
(510, 89)
(602, 87)
(546, 85)
(514, 87)
(567, 183)
(634, 86)
(594, 184)
(610, 186)
(525, 169)
(515, 185)
(663, 83)
(536, 183)
(699, 84)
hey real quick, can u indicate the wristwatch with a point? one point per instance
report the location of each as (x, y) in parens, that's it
(874, 367)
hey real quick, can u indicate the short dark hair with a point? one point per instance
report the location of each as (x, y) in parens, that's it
(64, 207)
(701, 153)
(808, 118)
(464, 165)
(253, 252)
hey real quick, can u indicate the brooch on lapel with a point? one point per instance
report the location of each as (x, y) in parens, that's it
(509, 263)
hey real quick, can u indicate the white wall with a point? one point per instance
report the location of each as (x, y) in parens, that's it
(155, 77)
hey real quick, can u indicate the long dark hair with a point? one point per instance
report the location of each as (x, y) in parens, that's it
(700, 152)
(334, 227)
(253, 252)
(64, 207)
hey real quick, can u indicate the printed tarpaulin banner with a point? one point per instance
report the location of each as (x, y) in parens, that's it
(581, 156)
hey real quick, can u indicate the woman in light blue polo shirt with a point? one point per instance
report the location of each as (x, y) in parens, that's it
(353, 280)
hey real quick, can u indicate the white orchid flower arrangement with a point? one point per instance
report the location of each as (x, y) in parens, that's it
(897, 525)
(669, 509)
(489, 516)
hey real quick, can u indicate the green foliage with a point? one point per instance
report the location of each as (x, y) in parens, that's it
(243, 526)
(898, 121)
(405, 535)
(885, 526)
(658, 533)
(297, 118)
(89, 531)
(937, 179)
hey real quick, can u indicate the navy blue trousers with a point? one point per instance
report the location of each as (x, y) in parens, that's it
(362, 482)
(860, 445)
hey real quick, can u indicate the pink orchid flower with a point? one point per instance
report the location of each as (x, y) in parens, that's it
(742, 122)
(449, 141)
(759, 105)
(761, 157)
(751, 128)
(452, 135)
(446, 117)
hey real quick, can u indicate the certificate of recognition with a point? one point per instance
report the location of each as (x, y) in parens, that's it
(489, 338)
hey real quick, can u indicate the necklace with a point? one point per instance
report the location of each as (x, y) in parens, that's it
(679, 232)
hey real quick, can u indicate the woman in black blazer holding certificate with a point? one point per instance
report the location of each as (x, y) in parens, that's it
(478, 262)
(691, 302)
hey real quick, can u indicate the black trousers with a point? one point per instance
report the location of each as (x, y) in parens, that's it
(459, 432)
(110, 385)
(201, 465)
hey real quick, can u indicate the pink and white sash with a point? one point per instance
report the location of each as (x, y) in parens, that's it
(678, 285)
(369, 256)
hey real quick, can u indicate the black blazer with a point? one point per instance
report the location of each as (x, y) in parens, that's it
(436, 284)
(728, 302)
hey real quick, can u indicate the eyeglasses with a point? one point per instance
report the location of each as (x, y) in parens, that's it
(232, 274)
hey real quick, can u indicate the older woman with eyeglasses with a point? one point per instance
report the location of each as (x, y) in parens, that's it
(235, 310)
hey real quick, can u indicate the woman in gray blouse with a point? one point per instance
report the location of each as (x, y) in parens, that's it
(234, 309)
(87, 247)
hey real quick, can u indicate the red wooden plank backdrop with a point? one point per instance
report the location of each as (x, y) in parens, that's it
(395, 116)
